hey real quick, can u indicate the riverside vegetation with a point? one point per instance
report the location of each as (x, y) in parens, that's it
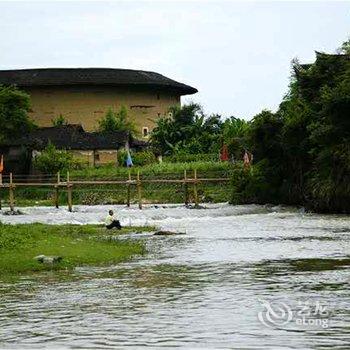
(301, 151)
(78, 245)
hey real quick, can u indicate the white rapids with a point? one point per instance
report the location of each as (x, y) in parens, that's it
(205, 289)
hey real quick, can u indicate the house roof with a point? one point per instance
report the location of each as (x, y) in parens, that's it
(92, 76)
(74, 137)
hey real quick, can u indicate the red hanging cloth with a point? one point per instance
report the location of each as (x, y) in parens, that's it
(224, 157)
(2, 164)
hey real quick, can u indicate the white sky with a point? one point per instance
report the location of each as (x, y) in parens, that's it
(237, 54)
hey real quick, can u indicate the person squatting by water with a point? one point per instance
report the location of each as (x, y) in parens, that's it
(111, 221)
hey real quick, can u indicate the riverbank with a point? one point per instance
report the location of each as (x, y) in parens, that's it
(204, 289)
(78, 245)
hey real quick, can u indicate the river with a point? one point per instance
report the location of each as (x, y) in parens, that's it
(245, 277)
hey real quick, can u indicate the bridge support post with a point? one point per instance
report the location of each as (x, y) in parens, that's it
(195, 190)
(139, 189)
(185, 188)
(56, 194)
(128, 188)
(69, 194)
(11, 194)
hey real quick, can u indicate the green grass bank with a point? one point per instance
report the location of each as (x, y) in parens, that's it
(78, 245)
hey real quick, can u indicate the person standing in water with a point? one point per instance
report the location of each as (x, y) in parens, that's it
(111, 221)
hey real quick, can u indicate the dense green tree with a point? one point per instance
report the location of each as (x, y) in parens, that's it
(14, 107)
(187, 129)
(345, 48)
(117, 121)
(329, 180)
(52, 160)
(303, 150)
(234, 135)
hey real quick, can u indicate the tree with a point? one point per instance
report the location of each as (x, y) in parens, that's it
(59, 121)
(303, 149)
(117, 121)
(345, 47)
(234, 132)
(14, 107)
(52, 160)
(188, 130)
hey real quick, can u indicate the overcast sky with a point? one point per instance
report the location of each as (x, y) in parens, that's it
(237, 54)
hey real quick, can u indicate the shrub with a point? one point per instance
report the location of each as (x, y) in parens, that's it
(117, 121)
(249, 185)
(59, 121)
(143, 158)
(122, 154)
(138, 158)
(52, 160)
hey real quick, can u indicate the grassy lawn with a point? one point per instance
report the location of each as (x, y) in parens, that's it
(78, 245)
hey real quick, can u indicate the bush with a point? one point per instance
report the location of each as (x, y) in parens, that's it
(59, 121)
(249, 185)
(51, 160)
(121, 156)
(138, 158)
(117, 121)
(143, 158)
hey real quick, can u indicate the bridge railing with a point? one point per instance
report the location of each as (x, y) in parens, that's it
(188, 180)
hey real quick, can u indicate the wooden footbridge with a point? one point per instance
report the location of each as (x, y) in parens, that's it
(67, 184)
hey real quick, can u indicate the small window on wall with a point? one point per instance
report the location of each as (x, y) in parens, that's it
(145, 131)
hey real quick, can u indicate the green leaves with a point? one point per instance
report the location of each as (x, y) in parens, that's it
(59, 121)
(188, 130)
(14, 107)
(117, 121)
(51, 160)
(305, 144)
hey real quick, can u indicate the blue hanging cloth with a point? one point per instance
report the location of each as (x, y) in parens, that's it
(129, 160)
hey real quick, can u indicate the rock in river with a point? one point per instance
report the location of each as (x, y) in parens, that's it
(48, 260)
(168, 233)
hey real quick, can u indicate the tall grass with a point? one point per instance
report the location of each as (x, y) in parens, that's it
(109, 171)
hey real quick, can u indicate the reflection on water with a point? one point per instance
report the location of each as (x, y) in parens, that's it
(203, 289)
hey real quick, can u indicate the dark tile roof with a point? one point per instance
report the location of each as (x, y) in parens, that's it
(91, 76)
(75, 138)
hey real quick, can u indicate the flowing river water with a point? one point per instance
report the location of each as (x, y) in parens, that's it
(245, 277)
